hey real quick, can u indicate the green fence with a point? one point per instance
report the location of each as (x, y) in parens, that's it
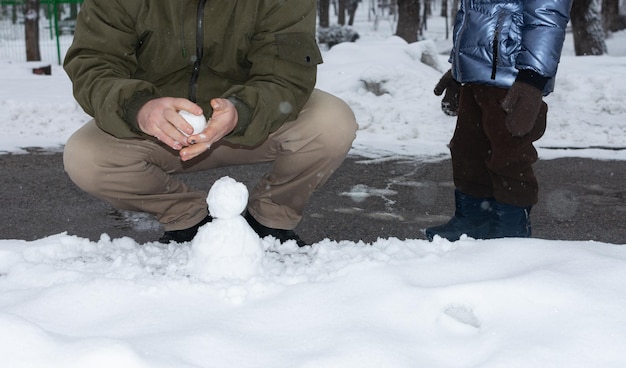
(56, 29)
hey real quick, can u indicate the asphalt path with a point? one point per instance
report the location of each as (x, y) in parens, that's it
(580, 199)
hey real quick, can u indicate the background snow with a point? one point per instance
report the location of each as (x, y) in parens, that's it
(586, 110)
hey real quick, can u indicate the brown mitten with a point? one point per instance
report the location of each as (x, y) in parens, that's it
(450, 101)
(522, 104)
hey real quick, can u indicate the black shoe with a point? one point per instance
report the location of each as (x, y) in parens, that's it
(280, 234)
(185, 235)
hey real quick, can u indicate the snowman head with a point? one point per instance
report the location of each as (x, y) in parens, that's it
(227, 198)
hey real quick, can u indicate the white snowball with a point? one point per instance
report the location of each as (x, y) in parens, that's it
(227, 198)
(198, 122)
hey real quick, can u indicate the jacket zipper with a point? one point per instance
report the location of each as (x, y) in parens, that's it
(494, 65)
(193, 81)
(142, 41)
(496, 37)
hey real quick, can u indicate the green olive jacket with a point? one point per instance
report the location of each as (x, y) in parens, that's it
(260, 54)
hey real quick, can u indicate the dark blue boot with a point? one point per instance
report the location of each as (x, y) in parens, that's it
(472, 217)
(510, 221)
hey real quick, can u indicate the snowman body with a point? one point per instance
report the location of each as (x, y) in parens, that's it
(226, 247)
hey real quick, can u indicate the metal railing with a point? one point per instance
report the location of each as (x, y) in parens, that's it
(57, 19)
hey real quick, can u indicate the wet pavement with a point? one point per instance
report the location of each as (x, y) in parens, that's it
(580, 199)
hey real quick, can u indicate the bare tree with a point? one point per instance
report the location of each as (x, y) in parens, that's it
(453, 10)
(425, 14)
(31, 30)
(444, 14)
(73, 10)
(408, 20)
(346, 7)
(611, 18)
(341, 12)
(14, 14)
(587, 28)
(352, 6)
(323, 7)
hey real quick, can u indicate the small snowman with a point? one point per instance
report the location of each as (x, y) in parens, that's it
(198, 122)
(226, 247)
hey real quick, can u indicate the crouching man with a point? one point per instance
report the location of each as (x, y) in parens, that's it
(248, 66)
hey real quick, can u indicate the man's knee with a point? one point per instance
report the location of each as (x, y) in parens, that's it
(78, 162)
(335, 120)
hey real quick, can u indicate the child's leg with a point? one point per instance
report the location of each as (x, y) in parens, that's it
(510, 158)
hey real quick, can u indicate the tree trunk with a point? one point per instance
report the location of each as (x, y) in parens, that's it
(425, 14)
(31, 30)
(587, 28)
(453, 10)
(324, 13)
(341, 12)
(352, 6)
(408, 20)
(73, 10)
(610, 16)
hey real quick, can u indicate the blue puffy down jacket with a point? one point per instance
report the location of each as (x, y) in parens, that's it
(494, 39)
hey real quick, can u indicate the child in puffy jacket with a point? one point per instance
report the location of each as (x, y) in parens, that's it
(504, 60)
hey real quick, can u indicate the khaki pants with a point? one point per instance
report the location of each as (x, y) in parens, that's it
(487, 161)
(136, 174)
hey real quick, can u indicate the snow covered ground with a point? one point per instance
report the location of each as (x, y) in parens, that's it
(70, 302)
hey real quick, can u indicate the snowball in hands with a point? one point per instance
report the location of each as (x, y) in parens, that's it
(198, 122)
(226, 247)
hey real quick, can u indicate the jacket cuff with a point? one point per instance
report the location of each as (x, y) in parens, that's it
(244, 113)
(533, 78)
(133, 105)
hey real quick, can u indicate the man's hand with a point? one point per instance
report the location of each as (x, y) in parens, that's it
(222, 122)
(522, 104)
(160, 119)
(450, 101)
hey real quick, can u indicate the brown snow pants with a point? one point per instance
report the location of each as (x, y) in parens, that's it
(136, 174)
(487, 161)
